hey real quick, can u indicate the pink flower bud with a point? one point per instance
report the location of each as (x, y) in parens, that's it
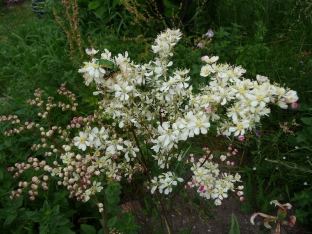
(240, 193)
(208, 110)
(222, 157)
(241, 138)
(34, 179)
(294, 105)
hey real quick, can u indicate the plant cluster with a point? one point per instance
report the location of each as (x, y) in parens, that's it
(271, 38)
(146, 114)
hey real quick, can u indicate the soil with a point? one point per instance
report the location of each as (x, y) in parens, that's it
(188, 218)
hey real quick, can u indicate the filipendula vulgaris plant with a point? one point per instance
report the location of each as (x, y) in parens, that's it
(145, 114)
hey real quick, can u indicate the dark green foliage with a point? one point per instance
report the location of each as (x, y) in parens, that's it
(266, 37)
(303, 206)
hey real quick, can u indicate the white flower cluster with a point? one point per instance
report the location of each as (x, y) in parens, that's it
(157, 108)
(165, 182)
(210, 183)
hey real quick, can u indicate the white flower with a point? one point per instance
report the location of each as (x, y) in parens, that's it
(114, 146)
(217, 202)
(96, 136)
(91, 51)
(96, 187)
(209, 60)
(56, 171)
(130, 150)
(165, 183)
(82, 141)
(92, 72)
(221, 192)
(122, 91)
(240, 127)
(198, 124)
(291, 96)
(206, 70)
(167, 135)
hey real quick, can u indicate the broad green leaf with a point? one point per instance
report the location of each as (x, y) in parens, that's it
(111, 222)
(18, 202)
(100, 11)
(64, 230)
(87, 229)
(10, 218)
(167, 3)
(306, 120)
(62, 221)
(93, 5)
(301, 137)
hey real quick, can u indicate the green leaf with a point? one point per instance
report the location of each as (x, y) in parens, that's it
(87, 229)
(167, 3)
(18, 202)
(101, 231)
(100, 11)
(46, 206)
(111, 222)
(234, 226)
(93, 5)
(301, 137)
(10, 218)
(62, 221)
(1, 173)
(64, 230)
(306, 120)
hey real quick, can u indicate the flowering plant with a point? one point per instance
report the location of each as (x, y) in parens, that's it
(145, 115)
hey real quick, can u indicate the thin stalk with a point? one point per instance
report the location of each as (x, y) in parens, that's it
(103, 214)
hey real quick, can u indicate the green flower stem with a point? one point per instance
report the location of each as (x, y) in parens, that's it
(289, 166)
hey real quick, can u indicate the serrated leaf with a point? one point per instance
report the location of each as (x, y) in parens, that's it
(87, 229)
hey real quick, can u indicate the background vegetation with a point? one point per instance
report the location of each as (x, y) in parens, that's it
(268, 37)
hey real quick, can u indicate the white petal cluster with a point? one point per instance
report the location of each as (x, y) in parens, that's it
(165, 182)
(151, 110)
(210, 182)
